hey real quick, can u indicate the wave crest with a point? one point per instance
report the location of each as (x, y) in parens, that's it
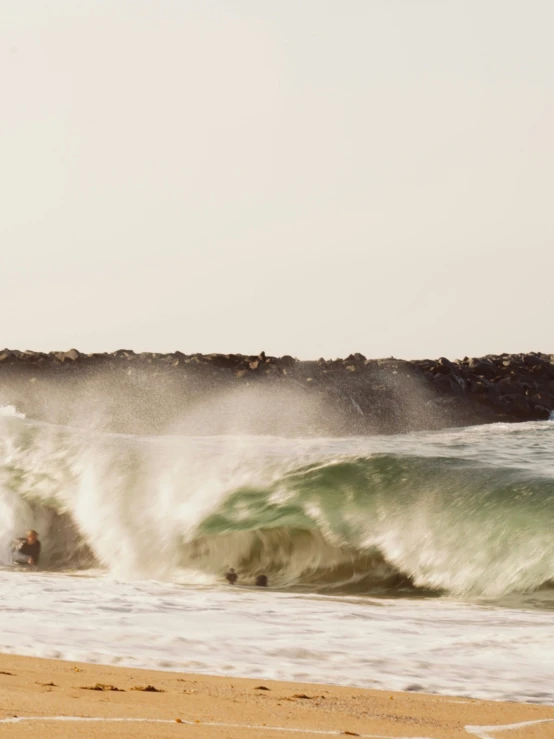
(307, 518)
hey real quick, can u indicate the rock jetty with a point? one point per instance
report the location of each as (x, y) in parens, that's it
(219, 393)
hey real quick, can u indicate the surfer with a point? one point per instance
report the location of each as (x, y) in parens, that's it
(26, 551)
(261, 581)
(231, 576)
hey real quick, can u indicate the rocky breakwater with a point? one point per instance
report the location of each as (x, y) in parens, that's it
(233, 393)
(508, 387)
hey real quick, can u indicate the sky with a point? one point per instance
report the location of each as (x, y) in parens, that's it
(305, 177)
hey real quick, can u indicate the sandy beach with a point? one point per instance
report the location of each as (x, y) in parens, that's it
(54, 699)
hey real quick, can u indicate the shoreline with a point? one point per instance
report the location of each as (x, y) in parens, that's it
(46, 697)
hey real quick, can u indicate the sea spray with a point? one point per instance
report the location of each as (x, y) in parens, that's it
(468, 512)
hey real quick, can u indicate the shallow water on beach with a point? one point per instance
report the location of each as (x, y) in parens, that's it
(432, 645)
(421, 562)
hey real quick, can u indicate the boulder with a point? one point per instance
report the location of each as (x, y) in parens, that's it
(288, 361)
(483, 368)
(224, 361)
(517, 404)
(513, 384)
(533, 360)
(544, 399)
(355, 358)
(70, 356)
(444, 366)
(482, 386)
(447, 384)
(541, 412)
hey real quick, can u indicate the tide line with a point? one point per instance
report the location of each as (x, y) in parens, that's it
(255, 727)
(481, 732)
(484, 732)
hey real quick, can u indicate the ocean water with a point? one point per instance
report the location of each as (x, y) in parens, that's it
(421, 561)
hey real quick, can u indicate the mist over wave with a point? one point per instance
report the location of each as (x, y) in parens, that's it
(468, 512)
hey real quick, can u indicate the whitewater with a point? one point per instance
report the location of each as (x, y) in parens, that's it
(422, 561)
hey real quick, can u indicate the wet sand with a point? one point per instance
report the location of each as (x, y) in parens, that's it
(54, 699)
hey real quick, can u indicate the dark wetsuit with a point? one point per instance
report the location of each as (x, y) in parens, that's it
(30, 550)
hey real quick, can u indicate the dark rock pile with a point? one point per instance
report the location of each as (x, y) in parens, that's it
(149, 393)
(514, 387)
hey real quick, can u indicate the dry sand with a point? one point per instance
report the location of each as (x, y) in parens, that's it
(35, 694)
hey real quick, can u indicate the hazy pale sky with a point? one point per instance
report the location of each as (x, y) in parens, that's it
(310, 177)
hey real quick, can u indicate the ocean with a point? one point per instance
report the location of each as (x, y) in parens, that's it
(421, 562)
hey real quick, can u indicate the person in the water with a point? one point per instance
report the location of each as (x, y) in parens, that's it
(26, 551)
(231, 576)
(261, 581)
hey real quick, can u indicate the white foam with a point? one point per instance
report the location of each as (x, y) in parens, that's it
(442, 646)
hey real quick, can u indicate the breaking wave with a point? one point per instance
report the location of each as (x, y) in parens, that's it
(328, 515)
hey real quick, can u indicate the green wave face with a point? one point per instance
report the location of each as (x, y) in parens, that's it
(431, 513)
(439, 523)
